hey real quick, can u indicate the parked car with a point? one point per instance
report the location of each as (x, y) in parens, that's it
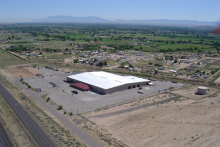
(74, 91)
(140, 91)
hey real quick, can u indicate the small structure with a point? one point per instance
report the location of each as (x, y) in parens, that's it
(202, 90)
(173, 71)
(80, 86)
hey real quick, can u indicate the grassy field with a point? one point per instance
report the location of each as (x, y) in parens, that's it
(9, 59)
(57, 55)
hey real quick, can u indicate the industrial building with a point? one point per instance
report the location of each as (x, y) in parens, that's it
(106, 83)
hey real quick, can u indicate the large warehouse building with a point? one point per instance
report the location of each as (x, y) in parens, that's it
(105, 83)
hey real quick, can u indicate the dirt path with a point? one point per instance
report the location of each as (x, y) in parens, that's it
(127, 110)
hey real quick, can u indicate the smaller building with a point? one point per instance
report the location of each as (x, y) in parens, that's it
(80, 86)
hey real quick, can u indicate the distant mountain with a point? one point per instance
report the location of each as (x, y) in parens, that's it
(64, 19)
(93, 19)
(205, 27)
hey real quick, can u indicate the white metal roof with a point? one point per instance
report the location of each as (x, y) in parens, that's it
(105, 80)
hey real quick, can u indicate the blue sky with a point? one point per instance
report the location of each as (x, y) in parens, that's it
(27, 10)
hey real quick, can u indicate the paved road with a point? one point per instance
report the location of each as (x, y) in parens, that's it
(127, 110)
(59, 115)
(4, 141)
(41, 138)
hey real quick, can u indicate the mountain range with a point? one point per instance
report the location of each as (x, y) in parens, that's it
(93, 19)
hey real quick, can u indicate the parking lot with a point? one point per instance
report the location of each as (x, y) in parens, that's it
(86, 101)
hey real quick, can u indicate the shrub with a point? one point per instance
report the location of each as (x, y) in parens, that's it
(60, 107)
(48, 99)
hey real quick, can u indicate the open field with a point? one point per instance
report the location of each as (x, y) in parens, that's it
(183, 122)
(190, 92)
(22, 72)
(7, 59)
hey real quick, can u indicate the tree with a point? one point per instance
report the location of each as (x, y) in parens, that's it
(100, 63)
(175, 61)
(156, 71)
(150, 63)
(105, 63)
(131, 66)
(217, 49)
(171, 58)
(76, 60)
(122, 64)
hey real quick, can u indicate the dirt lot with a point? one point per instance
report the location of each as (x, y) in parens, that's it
(217, 81)
(190, 91)
(22, 72)
(183, 122)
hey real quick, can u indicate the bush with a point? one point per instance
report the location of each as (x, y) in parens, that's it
(76, 60)
(48, 99)
(150, 63)
(21, 79)
(71, 113)
(64, 113)
(60, 107)
(214, 71)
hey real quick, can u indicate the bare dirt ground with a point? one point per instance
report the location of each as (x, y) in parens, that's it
(190, 91)
(22, 72)
(187, 121)
(37, 43)
(217, 81)
(67, 60)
